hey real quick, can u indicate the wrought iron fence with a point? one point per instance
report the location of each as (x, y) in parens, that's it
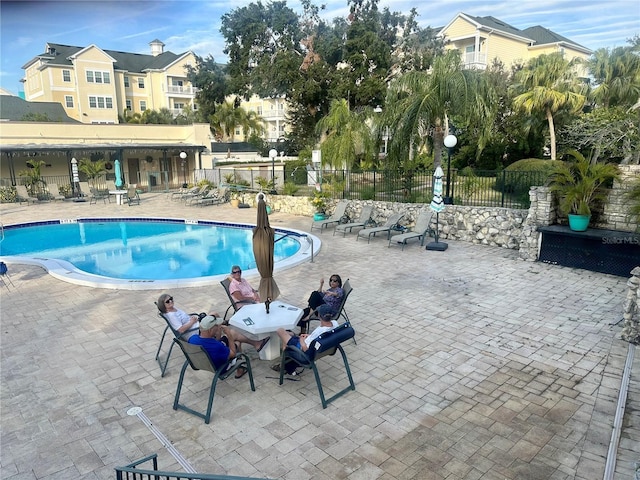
(478, 188)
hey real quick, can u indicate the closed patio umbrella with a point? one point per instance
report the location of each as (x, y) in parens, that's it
(437, 205)
(263, 240)
(119, 181)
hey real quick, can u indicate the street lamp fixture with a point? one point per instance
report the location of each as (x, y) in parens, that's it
(183, 162)
(273, 153)
(450, 141)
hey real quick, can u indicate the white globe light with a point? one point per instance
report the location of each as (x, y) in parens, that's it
(450, 141)
(183, 155)
(273, 153)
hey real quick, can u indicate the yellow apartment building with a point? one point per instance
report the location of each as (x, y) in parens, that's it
(95, 85)
(480, 40)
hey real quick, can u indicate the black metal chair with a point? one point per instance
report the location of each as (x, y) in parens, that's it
(326, 344)
(346, 286)
(198, 359)
(176, 334)
(233, 303)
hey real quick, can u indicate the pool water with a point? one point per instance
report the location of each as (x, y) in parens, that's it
(143, 249)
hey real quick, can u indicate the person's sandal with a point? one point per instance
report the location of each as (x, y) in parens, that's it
(240, 372)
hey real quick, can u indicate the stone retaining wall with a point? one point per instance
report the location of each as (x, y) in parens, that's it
(502, 227)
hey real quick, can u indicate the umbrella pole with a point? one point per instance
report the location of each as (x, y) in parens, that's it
(437, 245)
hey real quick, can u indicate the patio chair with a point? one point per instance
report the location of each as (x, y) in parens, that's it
(198, 359)
(85, 190)
(185, 335)
(111, 185)
(54, 192)
(22, 195)
(346, 286)
(362, 222)
(234, 304)
(391, 222)
(132, 196)
(183, 191)
(420, 230)
(199, 193)
(338, 217)
(220, 196)
(325, 345)
(95, 195)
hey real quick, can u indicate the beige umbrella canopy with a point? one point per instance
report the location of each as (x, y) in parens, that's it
(263, 240)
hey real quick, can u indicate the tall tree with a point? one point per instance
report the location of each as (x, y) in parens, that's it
(209, 78)
(228, 118)
(616, 74)
(419, 105)
(346, 136)
(548, 86)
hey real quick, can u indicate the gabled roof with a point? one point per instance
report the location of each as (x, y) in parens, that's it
(57, 54)
(14, 109)
(537, 35)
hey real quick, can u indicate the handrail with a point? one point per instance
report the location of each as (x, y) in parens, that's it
(308, 237)
(130, 472)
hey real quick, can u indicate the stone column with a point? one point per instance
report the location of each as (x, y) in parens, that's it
(630, 307)
(542, 213)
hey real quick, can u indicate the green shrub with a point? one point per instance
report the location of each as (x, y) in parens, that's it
(290, 188)
(7, 194)
(518, 177)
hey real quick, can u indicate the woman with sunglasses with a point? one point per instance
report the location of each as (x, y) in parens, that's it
(332, 297)
(241, 291)
(178, 319)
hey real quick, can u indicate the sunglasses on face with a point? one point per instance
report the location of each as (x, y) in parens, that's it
(236, 271)
(169, 300)
(333, 280)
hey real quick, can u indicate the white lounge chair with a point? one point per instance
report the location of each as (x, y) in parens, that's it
(420, 231)
(54, 192)
(22, 195)
(392, 221)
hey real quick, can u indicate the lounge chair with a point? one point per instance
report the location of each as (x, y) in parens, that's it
(392, 221)
(183, 191)
(338, 217)
(362, 222)
(420, 231)
(85, 190)
(22, 195)
(197, 194)
(54, 192)
(198, 358)
(95, 195)
(327, 344)
(221, 195)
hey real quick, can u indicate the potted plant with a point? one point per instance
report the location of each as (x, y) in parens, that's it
(580, 186)
(319, 201)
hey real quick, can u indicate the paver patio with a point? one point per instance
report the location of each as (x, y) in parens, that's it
(470, 364)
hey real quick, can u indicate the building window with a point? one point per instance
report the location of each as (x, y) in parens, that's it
(66, 76)
(143, 105)
(94, 76)
(68, 100)
(128, 104)
(140, 82)
(176, 83)
(100, 102)
(259, 110)
(126, 82)
(178, 106)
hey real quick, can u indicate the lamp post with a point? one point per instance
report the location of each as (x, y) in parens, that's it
(450, 141)
(183, 156)
(273, 153)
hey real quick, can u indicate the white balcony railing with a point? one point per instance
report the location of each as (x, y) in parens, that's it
(181, 90)
(475, 60)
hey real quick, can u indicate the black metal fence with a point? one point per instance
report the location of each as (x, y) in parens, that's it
(479, 188)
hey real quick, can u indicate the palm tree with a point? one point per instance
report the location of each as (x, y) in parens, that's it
(616, 74)
(420, 104)
(345, 136)
(549, 85)
(92, 169)
(33, 175)
(228, 118)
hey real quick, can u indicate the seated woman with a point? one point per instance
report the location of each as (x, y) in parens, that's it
(241, 291)
(332, 297)
(178, 319)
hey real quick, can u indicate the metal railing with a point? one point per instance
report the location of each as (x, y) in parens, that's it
(131, 472)
(478, 188)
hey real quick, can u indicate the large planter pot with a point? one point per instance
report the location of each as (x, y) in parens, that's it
(578, 223)
(319, 216)
(235, 202)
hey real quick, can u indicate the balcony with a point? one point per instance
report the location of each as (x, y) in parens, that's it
(181, 90)
(474, 60)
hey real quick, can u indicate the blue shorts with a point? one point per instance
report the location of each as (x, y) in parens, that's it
(294, 342)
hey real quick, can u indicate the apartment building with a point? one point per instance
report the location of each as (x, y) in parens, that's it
(480, 40)
(95, 85)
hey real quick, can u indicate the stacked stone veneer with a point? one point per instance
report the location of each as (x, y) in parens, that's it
(631, 309)
(503, 227)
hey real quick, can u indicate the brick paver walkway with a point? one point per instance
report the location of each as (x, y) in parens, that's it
(470, 364)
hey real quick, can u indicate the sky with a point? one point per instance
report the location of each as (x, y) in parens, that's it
(129, 25)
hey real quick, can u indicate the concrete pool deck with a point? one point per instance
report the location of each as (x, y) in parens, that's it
(470, 364)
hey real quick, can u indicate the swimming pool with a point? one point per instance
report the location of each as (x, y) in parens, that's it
(146, 253)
